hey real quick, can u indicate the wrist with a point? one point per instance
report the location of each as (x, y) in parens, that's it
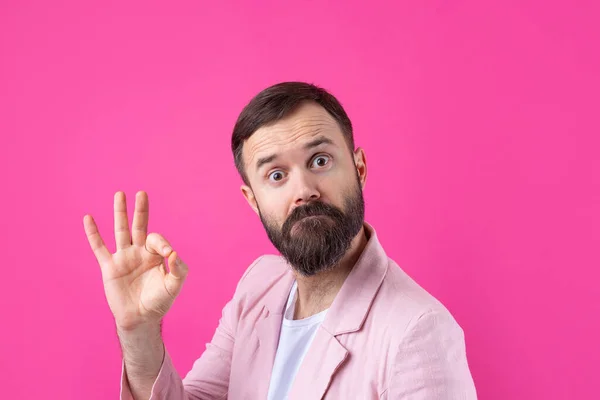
(143, 348)
(143, 328)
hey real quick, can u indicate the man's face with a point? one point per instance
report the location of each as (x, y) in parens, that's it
(306, 186)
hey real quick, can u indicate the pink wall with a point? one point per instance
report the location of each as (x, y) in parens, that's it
(480, 124)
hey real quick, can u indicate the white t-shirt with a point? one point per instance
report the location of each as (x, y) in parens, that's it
(294, 340)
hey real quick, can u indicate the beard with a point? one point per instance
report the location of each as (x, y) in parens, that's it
(316, 236)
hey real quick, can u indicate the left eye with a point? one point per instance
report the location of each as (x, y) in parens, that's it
(320, 161)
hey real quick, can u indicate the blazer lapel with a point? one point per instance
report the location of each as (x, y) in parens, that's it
(346, 315)
(324, 357)
(267, 330)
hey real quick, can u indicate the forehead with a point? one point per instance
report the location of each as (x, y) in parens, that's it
(303, 125)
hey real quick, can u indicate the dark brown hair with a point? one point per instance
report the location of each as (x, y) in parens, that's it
(273, 104)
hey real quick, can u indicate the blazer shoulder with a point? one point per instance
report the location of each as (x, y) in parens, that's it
(407, 299)
(262, 272)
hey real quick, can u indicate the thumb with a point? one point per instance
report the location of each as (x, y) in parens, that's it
(177, 274)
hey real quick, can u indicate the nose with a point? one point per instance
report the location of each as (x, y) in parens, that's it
(306, 190)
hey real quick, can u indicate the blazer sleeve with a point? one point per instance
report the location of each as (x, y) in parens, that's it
(431, 362)
(209, 377)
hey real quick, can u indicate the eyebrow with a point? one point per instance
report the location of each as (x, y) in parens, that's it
(265, 160)
(318, 141)
(313, 143)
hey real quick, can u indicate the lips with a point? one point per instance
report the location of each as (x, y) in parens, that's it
(312, 216)
(308, 217)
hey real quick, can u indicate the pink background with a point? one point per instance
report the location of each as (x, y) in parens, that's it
(480, 124)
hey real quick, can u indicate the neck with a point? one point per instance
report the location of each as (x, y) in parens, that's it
(317, 292)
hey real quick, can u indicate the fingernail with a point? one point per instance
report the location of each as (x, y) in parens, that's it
(178, 261)
(166, 250)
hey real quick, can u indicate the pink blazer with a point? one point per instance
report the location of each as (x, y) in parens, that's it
(384, 337)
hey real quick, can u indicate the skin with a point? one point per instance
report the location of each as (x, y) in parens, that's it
(140, 289)
(298, 175)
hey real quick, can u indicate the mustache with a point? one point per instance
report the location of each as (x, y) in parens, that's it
(312, 209)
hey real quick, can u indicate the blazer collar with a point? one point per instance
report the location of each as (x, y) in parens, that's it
(346, 314)
(351, 305)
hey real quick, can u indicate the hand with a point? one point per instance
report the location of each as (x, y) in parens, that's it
(138, 287)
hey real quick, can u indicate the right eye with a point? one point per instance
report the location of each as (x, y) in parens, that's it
(276, 176)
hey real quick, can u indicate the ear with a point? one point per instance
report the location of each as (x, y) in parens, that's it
(249, 196)
(360, 161)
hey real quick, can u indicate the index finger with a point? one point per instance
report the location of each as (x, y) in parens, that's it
(96, 243)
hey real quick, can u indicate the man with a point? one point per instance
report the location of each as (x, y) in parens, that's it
(332, 317)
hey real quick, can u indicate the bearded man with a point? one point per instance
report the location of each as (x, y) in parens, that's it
(331, 317)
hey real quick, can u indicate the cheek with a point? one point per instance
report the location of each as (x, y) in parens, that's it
(272, 206)
(336, 187)
(343, 173)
